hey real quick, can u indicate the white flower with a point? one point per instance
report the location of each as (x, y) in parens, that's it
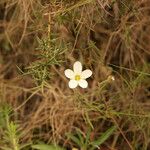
(111, 78)
(77, 76)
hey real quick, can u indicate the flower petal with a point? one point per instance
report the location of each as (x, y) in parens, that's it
(73, 84)
(77, 67)
(69, 73)
(86, 74)
(83, 83)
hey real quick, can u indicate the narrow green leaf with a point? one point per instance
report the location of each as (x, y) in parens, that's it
(88, 137)
(5, 148)
(24, 145)
(80, 136)
(74, 139)
(103, 137)
(46, 147)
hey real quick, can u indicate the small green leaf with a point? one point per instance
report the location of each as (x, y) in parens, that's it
(24, 145)
(88, 136)
(5, 148)
(103, 137)
(46, 147)
(74, 139)
(80, 136)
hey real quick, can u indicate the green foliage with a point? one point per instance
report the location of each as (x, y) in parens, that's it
(84, 141)
(10, 139)
(47, 147)
(50, 52)
(104, 136)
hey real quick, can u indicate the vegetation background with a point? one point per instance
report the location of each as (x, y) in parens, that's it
(39, 39)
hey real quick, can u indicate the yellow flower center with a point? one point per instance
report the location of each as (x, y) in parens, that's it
(77, 77)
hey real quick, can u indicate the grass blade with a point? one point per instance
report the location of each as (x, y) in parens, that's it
(47, 147)
(103, 137)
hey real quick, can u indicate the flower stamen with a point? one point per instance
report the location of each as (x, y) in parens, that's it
(77, 77)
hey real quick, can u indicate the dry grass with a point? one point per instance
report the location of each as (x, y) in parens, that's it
(110, 38)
